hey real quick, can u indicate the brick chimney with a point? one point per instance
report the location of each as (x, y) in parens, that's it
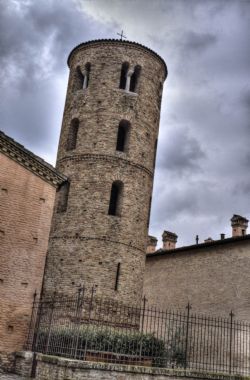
(208, 240)
(239, 225)
(169, 240)
(151, 244)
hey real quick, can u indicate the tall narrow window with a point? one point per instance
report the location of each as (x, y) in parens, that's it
(63, 194)
(79, 78)
(86, 76)
(117, 275)
(122, 135)
(115, 198)
(134, 79)
(72, 135)
(123, 78)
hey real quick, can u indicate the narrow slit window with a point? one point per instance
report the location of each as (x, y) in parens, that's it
(134, 79)
(124, 73)
(117, 276)
(115, 198)
(122, 136)
(155, 151)
(149, 211)
(63, 195)
(72, 135)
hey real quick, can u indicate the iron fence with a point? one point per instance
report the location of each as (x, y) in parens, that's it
(86, 327)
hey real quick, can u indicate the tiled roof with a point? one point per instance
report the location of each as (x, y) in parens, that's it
(116, 41)
(194, 247)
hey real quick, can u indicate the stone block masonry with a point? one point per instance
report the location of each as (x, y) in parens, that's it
(88, 243)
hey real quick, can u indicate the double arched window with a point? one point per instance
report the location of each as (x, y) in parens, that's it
(129, 77)
(82, 77)
(124, 73)
(122, 136)
(72, 135)
(134, 79)
(115, 202)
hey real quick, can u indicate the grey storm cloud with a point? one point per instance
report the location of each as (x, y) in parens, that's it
(182, 153)
(33, 59)
(194, 41)
(203, 157)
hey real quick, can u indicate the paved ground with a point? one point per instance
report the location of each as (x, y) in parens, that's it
(8, 376)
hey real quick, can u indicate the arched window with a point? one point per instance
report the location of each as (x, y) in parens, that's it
(122, 135)
(115, 198)
(82, 77)
(123, 78)
(79, 78)
(72, 135)
(86, 76)
(134, 79)
(63, 194)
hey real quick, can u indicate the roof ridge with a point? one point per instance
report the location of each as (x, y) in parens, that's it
(29, 160)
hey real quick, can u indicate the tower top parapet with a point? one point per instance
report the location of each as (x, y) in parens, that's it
(118, 42)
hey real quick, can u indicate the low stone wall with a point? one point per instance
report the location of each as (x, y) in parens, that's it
(23, 363)
(55, 368)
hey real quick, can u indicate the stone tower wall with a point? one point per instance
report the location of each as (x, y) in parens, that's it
(86, 243)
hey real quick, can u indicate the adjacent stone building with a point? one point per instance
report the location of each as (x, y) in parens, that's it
(107, 150)
(27, 190)
(213, 276)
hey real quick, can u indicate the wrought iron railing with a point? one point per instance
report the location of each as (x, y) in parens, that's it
(86, 327)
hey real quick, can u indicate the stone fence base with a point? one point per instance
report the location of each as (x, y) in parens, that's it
(56, 368)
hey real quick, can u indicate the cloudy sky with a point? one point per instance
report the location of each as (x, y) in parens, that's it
(203, 160)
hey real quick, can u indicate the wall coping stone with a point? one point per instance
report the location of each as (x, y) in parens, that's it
(24, 354)
(24, 157)
(77, 364)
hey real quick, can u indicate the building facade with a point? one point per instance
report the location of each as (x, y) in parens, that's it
(212, 276)
(27, 190)
(107, 151)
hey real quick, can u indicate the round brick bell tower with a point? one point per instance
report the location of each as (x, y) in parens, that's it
(107, 151)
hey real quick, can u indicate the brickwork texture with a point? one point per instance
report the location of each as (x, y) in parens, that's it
(86, 243)
(26, 204)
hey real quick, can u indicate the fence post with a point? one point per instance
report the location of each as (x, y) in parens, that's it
(231, 341)
(50, 321)
(142, 322)
(91, 301)
(188, 307)
(80, 300)
(90, 308)
(35, 336)
(31, 327)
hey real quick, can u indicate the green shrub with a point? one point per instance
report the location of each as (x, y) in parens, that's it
(100, 339)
